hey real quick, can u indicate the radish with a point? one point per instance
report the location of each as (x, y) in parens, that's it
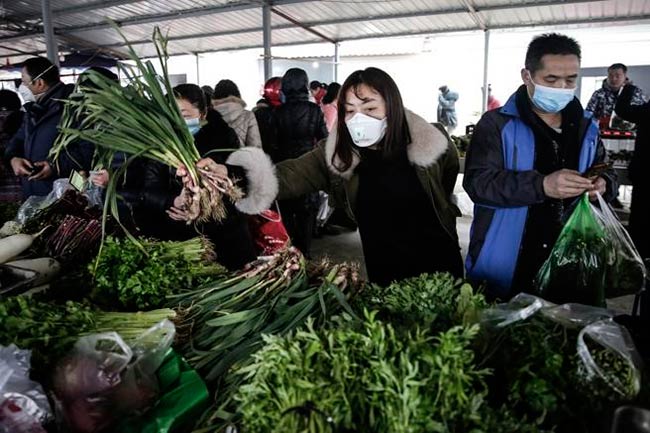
(46, 268)
(12, 246)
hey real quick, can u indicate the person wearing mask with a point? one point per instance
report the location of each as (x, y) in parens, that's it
(28, 150)
(158, 213)
(317, 91)
(387, 167)
(639, 214)
(330, 105)
(226, 99)
(603, 100)
(299, 124)
(447, 108)
(11, 117)
(523, 169)
(264, 113)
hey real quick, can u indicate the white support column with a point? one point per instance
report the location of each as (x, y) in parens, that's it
(266, 24)
(198, 80)
(486, 54)
(48, 31)
(337, 59)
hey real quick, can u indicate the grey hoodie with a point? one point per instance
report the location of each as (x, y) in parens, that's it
(241, 120)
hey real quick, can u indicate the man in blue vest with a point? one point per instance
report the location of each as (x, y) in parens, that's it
(524, 169)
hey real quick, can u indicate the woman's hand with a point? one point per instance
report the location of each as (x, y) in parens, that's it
(178, 211)
(206, 164)
(100, 178)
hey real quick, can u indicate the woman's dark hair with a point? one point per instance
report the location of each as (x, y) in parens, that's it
(332, 93)
(192, 94)
(225, 88)
(397, 135)
(40, 67)
(9, 100)
(549, 43)
(317, 84)
(208, 92)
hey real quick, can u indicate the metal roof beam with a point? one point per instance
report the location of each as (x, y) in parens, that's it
(310, 24)
(243, 5)
(88, 7)
(604, 20)
(179, 14)
(295, 22)
(478, 19)
(313, 24)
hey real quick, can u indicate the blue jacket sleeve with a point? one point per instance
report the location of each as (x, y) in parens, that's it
(486, 180)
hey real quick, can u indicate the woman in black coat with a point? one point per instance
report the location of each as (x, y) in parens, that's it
(215, 139)
(299, 125)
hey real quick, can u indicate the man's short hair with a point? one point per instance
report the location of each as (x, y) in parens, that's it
(40, 67)
(618, 66)
(549, 43)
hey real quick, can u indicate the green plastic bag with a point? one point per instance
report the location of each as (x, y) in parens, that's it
(183, 398)
(577, 266)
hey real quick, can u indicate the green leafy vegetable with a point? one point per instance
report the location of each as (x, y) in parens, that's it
(141, 276)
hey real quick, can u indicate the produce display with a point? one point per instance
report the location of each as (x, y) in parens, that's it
(141, 275)
(102, 330)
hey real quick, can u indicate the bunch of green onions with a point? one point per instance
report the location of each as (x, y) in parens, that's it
(219, 326)
(142, 120)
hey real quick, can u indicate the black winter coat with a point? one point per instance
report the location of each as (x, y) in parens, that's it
(639, 114)
(299, 125)
(264, 117)
(231, 237)
(37, 134)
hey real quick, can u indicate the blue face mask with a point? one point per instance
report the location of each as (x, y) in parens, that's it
(193, 125)
(550, 99)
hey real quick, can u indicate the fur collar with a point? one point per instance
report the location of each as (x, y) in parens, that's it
(239, 101)
(427, 145)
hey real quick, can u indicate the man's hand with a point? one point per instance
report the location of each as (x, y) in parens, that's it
(100, 178)
(21, 166)
(44, 171)
(598, 185)
(565, 184)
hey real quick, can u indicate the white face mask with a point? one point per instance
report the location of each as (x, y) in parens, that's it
(365, 130)
(26, 94)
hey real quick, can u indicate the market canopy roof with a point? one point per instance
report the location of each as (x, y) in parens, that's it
(196, 26)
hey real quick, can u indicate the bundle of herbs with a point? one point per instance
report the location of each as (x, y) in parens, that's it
(49, 329)
(366, 376)
(437, 300)
(141, 275)
(224, 321)
(143, 120)
(538, 374)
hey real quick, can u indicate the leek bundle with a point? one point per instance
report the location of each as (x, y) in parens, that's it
(143, 120)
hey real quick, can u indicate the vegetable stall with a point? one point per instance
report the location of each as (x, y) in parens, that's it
(102, 330)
